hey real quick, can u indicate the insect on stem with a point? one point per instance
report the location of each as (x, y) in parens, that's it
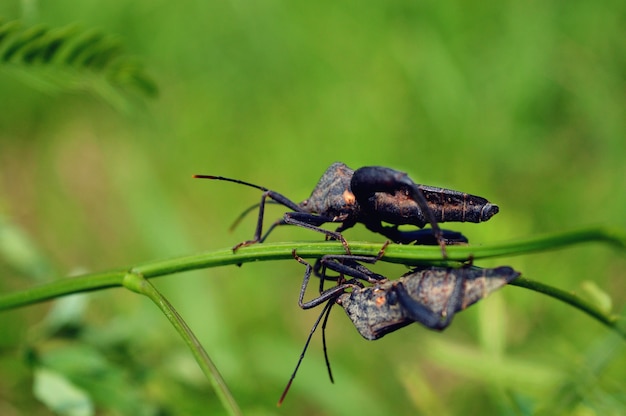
(373, 196)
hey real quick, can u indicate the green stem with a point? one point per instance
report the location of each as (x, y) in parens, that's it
(137, 283)
(62, 287)
(611, 321)
(395, 253)
(135, 278)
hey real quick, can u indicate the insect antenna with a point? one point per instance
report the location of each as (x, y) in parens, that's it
(278, 198)
(222, 178)
(325, 311)
(330, 372)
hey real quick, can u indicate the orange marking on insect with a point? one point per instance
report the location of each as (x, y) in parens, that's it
(380, 301)
(348, 197)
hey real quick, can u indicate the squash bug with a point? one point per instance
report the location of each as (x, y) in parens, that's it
(428, 295)
(372, 195)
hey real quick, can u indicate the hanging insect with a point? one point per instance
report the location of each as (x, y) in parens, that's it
(428, 295)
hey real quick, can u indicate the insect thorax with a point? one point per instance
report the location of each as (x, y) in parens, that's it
(332, 196)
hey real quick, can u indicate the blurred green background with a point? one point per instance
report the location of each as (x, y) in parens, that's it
(521, 102)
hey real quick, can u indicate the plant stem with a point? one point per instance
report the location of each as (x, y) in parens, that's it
(137, 283)
(395, 253)
(611, 321)
(62, 287)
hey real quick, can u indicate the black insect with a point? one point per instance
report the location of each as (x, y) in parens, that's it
(428, 295)
(372, 195)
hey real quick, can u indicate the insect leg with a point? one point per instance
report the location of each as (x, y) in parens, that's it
(426, 316)
(455, 301)
(258, 233)
(419, 197)
(259, 225)
(313, 222)
(330, 294)
(416, 310)
(369, 180)
(348, 265)
(420, 237)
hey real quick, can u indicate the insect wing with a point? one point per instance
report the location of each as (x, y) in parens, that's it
(433, 287)
(376, 311)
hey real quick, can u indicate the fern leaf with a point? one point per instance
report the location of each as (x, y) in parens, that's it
(22, 40)
(7, 28)
(75, 52)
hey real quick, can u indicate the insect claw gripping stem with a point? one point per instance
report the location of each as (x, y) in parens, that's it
(381, 252)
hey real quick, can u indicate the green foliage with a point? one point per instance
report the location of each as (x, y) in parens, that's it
(519, 102)
(68, 58)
